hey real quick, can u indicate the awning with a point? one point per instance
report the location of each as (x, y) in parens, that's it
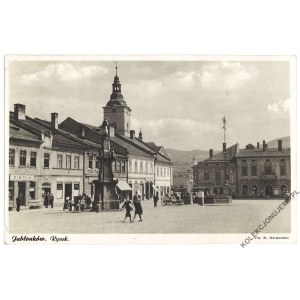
(155, 188)
(124, 186)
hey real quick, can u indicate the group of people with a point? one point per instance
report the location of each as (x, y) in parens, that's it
(83, 202)
(48, 200)
(137, 205)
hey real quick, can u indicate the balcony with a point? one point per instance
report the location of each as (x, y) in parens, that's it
(268, 177)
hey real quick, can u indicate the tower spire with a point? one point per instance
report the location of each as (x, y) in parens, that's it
(116, 68)
(141, 134)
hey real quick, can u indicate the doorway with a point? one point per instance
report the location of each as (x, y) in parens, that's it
(68, 190)
(22, 190)
(269, 190)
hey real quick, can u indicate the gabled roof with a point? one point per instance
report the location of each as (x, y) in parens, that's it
(230, 154)
(37, 126)
(16, 132)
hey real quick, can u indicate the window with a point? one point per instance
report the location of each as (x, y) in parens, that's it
(206, 175)
(113, 166)
(141, 167)
(76, 186)
(97, 164)
(32, 159)
(117, 166)
(161, 171)
(282, 168)
(11, 157)
(123, 166)
(46, 160)
(59, 190)
(253, 168)
(129, 167)
(91, 162)
(32, 189)
(157, 171)
(59, 161)
(244, 168)
(218, 175)
(146, 168)
(151, 168)
(76, 162)
(68, 161)
(268, 167)
(135, 166)
(22, 158)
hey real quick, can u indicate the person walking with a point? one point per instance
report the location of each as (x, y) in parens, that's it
(138, 210)
(18, 202)
(51, 200)
(128, 206)
(155, 199)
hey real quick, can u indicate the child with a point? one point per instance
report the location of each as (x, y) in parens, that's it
(128, 206)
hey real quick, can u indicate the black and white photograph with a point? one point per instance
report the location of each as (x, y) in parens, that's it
(148, 148)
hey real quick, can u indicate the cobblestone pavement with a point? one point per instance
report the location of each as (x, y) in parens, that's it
(241, 216)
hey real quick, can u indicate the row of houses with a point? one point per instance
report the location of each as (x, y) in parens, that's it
(250, 172)
(63, 159)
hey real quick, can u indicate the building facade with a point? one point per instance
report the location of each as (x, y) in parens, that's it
(250, 173)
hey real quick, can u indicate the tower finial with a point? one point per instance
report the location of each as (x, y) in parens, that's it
(116, 68)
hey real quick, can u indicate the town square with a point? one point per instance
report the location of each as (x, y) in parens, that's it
(120, 164)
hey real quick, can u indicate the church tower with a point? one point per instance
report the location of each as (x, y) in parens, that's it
(116, 109)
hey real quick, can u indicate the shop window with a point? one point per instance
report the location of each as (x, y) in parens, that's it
(11, 191)
(91, 162)
(76, 162)
(32, 159)
(46, 160)
(123, 166)
(11, 157)
(68, 161)
(59, 161)
(59, 190)
(32, 190)
(22, 158)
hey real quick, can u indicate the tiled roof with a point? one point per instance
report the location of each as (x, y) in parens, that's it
(260, 153)
(16, 132)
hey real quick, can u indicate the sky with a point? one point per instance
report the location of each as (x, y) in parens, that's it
(177, 104)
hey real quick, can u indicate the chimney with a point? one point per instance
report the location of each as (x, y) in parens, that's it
(279, 145)
(132, 134)
(211, 152)
(54, 120)
(82, 131)
(19, 112)
(257, 145)
(264, 145)
(111, 131)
